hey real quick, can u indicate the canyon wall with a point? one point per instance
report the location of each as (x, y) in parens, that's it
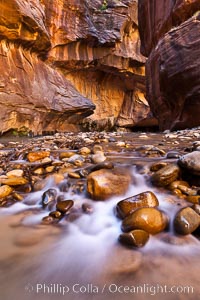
(170, 37)
(62, 59)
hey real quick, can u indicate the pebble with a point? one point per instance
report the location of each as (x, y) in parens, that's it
(149, 219)
(121, 144)
(15, 173)
(193, 199)
(166, 175)
(64, 206)
(84, 151)
(13, 181)
(75, 157)
(49, 196)
(186, 221)
(157, 166)
(134, 238)
(145, 199)
(35, 156)
(17, 196)
(5, 191)
(66, 154)
(175, 184)
(46, 160)
(47, 220)
(103, 184)
(39, 171)
(87, 208)
(50, 169)
(103, 165)
(172, 154)
(74, 175)
(55, 214)
(98, 157)
(191, 162)
(97, 148)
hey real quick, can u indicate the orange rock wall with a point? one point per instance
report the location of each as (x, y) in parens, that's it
(61, 59)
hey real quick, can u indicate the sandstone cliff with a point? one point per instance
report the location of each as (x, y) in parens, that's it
(170, 32)
(60, 59)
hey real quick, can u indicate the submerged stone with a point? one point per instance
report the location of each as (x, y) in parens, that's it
(145, 199)
(186, 221)
(64, 206)
(149, 219)
(166, 175)
(134, 238)
(49, 196)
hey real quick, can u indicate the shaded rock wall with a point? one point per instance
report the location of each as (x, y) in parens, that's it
(60, 59)
(170, 36)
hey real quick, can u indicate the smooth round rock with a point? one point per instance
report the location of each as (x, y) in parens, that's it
(55, 214)
(149, 219)
(134, 238)
(34, 156)
(50, 169)
(196, 208)
(172, 154)
(193, 199)
(47, 220)
(121, 144)
(186, 221)
(157, 166)
(103, 165)
(191, 162)
(49, 196)
(97, 148)
(126, 206)
(13, 181)
(175, 184)
(66, 154)
(74, 175)
(98, 157)
(166, 175)
(39, 171)
(87, 208)
(5, 191)
(103, 184)
(15, 173)
(84, 151)
(17, 196)
(64, 206)
(187, 191)
(74, 158)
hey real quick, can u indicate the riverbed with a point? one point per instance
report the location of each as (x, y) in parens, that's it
(80, 255)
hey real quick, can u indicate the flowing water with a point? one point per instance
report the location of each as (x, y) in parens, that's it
(82, 258)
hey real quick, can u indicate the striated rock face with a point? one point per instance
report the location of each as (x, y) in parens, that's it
(60, 59)
(98, 50)
(33, 96)
(169, 33)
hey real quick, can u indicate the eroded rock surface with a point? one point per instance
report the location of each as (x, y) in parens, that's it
(45, 45)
